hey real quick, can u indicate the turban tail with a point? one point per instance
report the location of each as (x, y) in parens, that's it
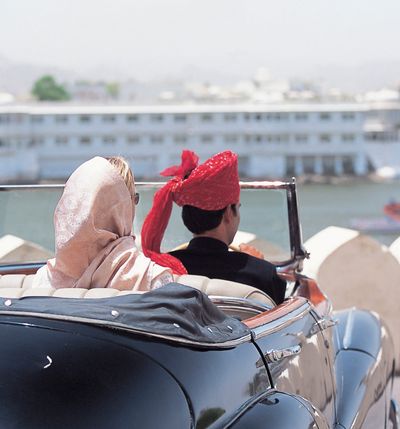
(154, 227)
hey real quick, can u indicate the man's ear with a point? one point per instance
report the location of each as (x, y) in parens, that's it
(228, 214)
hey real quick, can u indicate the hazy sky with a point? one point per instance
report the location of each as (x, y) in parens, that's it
(149, 38)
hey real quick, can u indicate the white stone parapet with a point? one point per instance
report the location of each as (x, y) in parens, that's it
(355, 270)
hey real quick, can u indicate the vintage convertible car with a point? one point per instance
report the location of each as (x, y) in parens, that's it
(199, 353)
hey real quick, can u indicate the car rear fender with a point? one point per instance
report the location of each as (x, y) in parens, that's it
(361, 330)
(364, 366)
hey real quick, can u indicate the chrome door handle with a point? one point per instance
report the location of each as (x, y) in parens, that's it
(327, 323)
(277, 355)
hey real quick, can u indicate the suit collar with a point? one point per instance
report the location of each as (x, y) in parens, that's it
(207, 243)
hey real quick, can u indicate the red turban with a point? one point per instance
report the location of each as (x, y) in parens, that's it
(212, 185)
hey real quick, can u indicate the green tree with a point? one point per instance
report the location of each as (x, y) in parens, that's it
(113, 89)
(46, 88)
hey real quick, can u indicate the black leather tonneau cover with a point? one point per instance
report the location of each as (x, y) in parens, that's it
(173, 311)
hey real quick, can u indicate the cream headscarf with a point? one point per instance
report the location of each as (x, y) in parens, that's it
(95, 247)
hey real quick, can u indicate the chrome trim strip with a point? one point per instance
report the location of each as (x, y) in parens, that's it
(30, 187)
(114, 325)
(20, 266)
(281, 322)
(242, 303)
(264, 184)
(276, 355)
(244, 185)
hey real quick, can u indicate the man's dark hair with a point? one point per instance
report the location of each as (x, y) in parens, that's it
(198, 220)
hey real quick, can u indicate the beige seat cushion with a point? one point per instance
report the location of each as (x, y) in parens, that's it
(20, 285)
(42, 291)
(11, 292)
(12, 280)
(70, 292)
(218, 287)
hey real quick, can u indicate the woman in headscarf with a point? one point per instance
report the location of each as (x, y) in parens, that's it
(95, 245)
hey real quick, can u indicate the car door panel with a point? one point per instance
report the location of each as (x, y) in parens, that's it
(297, 356)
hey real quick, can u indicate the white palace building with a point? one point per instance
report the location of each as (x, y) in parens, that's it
(48, 141)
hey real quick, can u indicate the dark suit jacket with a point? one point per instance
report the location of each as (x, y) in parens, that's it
(210, 257)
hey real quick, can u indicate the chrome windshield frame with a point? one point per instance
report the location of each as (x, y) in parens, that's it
(297, 251)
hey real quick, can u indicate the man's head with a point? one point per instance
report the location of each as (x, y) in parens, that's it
(209, 196)
(221, 224)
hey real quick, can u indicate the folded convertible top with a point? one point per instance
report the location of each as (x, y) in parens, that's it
(173, 312)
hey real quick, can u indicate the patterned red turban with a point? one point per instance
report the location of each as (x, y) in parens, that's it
(212, 185)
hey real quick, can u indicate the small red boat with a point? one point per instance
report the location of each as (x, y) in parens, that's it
(390, 224)
(392, 210)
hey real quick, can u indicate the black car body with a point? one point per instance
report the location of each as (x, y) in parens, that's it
(175, 358)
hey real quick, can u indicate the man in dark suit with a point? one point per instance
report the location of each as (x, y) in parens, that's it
(209, 195)
(208, 252)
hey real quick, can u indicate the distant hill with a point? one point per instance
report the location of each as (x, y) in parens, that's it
(18, 77)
